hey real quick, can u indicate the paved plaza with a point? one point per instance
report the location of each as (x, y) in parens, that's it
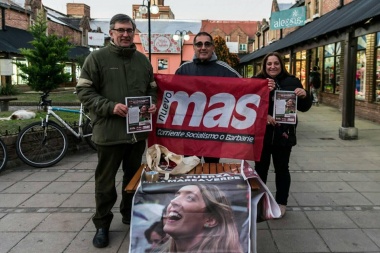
(334, 203)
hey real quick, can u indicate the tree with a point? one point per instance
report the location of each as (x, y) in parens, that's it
(46, 60)
(224, 54)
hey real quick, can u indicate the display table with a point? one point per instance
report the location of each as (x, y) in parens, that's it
(205, 168)
(261, 199)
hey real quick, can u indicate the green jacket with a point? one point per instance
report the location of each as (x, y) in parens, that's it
(107, 77)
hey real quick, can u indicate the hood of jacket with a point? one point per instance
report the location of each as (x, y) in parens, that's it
(212, 59)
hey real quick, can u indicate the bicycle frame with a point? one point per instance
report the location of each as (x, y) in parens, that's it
(50, 112)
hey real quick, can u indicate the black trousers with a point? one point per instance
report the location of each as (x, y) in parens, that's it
(109, 160)
(280, 156)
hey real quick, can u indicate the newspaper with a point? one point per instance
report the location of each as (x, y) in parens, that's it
(285, 107)
(138, 118)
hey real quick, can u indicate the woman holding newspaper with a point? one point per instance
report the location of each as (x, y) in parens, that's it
(279, 137)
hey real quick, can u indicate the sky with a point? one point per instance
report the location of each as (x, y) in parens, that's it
(242, 10)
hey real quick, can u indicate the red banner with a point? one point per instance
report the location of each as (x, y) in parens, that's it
(211, 116)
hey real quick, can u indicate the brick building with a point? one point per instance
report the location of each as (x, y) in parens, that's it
(16, 20)
(342, 38)
(239, 35)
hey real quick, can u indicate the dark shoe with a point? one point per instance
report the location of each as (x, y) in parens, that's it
(101, 239)
(126, 221)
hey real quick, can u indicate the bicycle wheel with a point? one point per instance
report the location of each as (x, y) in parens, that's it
(38, 150)
(87, 129)
(3, 155)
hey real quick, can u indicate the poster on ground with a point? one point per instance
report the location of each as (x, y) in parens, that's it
(192, 211)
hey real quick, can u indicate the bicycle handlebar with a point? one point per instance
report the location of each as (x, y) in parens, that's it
(43, 99)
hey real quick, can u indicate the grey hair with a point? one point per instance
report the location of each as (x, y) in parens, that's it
(121, 18)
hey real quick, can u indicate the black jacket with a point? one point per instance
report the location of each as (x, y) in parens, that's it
(212, 67)
(274, 134)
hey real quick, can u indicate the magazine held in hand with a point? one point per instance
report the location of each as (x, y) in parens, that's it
(285, 107)
(138, 118)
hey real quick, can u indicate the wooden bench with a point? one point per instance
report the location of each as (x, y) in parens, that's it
(4, 103)
(205, 168)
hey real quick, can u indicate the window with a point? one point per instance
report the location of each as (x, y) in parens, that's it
(228, 38)
(16, 78)
(243, 47)
(331, 68)
(163, 64)
(360, 77)
(301, 67)
(377, 77)
(316, 7)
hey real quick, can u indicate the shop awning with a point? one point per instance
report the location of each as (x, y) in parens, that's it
(350, 14)
(12, 39)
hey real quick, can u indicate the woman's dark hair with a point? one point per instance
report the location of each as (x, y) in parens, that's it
(263, 71)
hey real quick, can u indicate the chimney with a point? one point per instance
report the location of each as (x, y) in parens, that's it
(78, 10)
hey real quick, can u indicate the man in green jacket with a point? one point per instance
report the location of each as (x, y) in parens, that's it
(107, 77)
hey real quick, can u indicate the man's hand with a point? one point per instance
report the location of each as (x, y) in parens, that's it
(152, 109)
(121, 110)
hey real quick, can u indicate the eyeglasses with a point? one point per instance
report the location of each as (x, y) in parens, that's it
(207, 44)
(122, 30)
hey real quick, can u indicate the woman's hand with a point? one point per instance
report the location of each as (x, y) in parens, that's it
(300, 92)
(271, 84)
(270, 120)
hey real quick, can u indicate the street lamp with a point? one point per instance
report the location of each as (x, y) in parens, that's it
(181, 36)
(143, 9)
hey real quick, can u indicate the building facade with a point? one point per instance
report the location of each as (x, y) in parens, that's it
(16, 20)
(342, 38)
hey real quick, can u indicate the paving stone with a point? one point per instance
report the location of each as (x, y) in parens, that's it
(348, 240)
(330, 219)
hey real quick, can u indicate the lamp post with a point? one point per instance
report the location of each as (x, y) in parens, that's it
(143, 9)
(181, 36)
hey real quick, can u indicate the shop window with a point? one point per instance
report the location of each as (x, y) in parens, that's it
(162, 64)
(360, 76)
(377, 77)
(300, 67)
(287, 62)
(331, 68)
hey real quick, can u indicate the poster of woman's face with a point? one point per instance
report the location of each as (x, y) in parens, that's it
(197, 212)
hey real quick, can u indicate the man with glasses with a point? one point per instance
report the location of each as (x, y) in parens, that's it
(107, 77)
(206, 63)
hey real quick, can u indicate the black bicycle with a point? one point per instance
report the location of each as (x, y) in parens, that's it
(43, 144)
(3, 155)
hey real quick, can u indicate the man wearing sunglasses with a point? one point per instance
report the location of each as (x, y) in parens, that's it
(107, 77)
(206, 63)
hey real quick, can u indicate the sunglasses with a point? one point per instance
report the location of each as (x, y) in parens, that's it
(207, 44)
(122, 30)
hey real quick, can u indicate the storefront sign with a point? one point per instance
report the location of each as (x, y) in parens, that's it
(288, 18)
(161, 43)
(95, 39)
